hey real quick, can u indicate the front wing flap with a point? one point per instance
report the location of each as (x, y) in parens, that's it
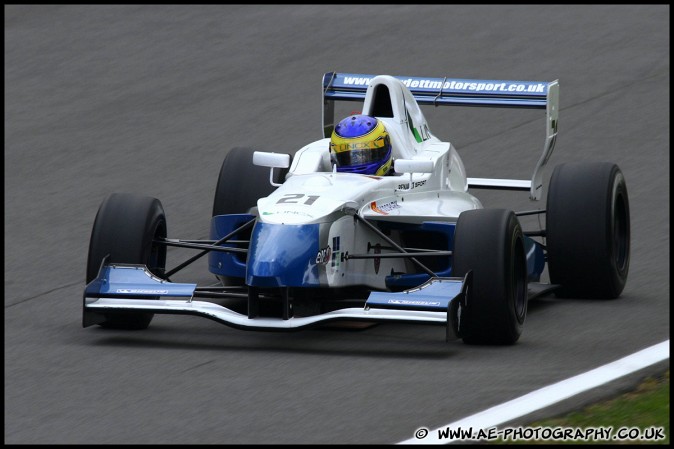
(132, 288)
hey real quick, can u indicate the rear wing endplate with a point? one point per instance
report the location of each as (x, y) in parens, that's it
(461, 92)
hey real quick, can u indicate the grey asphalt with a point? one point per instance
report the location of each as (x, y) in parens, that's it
(149, 99)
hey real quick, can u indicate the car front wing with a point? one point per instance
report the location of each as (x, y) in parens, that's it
(133, 288)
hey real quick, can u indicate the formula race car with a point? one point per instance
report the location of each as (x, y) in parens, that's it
(298, 240)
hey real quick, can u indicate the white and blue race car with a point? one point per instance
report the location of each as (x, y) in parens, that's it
(296, 243)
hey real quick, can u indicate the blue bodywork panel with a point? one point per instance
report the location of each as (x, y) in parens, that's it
(134, 281)
(535, 259)
(434, 295)
(444, 91)
(283, 255)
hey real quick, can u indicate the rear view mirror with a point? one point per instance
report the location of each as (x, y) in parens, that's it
(413, 166)
(271, 160)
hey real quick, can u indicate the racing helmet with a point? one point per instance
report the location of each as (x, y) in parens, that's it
(361, 144)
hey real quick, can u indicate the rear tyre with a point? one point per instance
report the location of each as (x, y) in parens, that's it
(125, 227)
(490, 243)
(241, 184)
(588, 230)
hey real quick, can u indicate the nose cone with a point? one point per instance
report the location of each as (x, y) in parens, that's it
(283, 256)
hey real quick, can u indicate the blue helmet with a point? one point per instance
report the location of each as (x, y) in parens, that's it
(361, 144)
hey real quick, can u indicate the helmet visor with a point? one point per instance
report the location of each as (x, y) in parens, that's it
(360, 153)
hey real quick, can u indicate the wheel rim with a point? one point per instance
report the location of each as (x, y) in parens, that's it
(620, 234)
(156, 261)
(520, 281)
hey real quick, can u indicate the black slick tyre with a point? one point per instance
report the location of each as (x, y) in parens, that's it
(125, 227)
(490, 243)
(241, 184)
(588, 230)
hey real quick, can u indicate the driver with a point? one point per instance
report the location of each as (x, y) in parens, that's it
(361, 144)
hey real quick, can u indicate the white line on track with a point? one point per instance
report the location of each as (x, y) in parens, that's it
(552, 394)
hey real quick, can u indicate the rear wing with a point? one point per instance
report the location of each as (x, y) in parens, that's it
(461, 92)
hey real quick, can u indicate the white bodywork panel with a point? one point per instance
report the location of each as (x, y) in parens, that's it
(314, 192)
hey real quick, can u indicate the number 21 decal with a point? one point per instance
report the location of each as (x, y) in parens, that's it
(298, 198)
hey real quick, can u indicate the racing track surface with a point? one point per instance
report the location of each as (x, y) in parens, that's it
(149, 99)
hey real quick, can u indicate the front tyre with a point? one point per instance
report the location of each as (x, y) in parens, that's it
(241, 184)
(588, 230)
(490, 243)
(125, 228)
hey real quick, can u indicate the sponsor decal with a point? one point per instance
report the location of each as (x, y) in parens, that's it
(413, 303)
(338, 148)
(335, 252)
(142, 291)
(384, 209)
(288, 212)
(422, 133)
(414, 184)
(460, 85)
(324, 256)
(294, 212)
